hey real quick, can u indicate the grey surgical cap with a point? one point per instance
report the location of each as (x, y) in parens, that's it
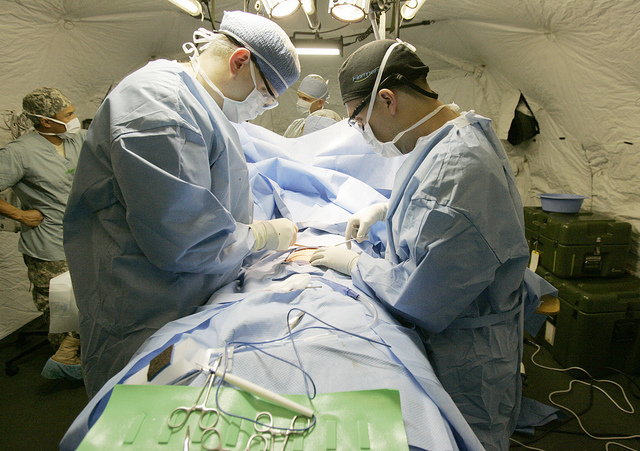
(276, 55)
(358, 73)
(314, 86)
(45, 102)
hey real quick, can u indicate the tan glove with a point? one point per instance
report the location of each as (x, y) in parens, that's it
(275, 234)
(337, 258)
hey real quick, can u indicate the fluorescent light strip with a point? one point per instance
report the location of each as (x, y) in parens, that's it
(317, 51)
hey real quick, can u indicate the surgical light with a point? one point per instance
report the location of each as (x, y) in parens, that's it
(278, 9)
(349, 10)
(309, 7)
(410, 8)
(193, 7)
(319, 47)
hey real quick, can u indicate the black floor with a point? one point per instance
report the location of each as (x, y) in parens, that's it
(36, 412)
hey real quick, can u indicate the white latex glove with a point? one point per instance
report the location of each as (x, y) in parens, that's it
(275, 234)
(337, 258)
(360, 223)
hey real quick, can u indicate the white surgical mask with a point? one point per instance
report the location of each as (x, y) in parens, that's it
(71, 128)
(388, 149)
(303, 107)
(239, 110)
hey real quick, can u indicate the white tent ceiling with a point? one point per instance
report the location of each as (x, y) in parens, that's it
(576, 62)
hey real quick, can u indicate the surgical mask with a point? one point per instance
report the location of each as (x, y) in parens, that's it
(71, 128)
(240, 110)
(303, 107)
(388, 149)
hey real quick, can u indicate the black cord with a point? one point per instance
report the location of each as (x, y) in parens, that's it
(632, 383)
(559, 423)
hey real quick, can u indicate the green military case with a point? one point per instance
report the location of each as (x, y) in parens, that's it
(578, 244)
(598, 324)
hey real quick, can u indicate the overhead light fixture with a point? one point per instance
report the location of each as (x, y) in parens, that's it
(319, 46)
(349, 10)
(410, 8)
(309, 7)
(193, 7)
(278, 9)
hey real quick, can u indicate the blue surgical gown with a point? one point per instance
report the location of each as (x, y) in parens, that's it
(454, 267)
(156, 219)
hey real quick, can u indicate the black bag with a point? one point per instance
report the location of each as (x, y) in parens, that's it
(524, 124)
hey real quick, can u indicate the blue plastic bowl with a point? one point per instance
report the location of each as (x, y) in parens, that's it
(561, 203)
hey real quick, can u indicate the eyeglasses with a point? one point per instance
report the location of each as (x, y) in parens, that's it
(392, 81)
(270, 100)
(352, 119)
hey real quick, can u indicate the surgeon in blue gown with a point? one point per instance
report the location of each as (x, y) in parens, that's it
(456, 254)
(160, 212)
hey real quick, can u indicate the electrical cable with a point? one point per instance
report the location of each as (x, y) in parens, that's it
(525, 446)
(307, 377)
(632, 383)
(571, 383)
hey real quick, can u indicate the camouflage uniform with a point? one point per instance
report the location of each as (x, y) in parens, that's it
(40, 273)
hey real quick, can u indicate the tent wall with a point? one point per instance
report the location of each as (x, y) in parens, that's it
(576, 62)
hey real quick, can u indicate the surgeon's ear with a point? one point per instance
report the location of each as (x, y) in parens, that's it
(239, 58)
(389, 100)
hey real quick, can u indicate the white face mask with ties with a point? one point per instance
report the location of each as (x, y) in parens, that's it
(239, 111)
(389, 149)
(304, 107)
(71, 128)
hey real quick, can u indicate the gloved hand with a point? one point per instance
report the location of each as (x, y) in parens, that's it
(360, 223)
(337, 258)
(275, 234)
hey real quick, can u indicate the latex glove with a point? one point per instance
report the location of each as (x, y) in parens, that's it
(360, 223)
(275, 234)
(337, 258)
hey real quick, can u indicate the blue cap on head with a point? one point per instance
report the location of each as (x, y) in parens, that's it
(272, 48)
(314, 86)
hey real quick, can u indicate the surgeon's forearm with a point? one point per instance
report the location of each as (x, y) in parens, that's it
(30, 218)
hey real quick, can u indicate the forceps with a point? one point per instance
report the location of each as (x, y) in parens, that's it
(208, 415)
(267, 428)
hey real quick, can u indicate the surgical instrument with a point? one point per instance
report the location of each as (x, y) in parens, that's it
(207, 439)
(262, 429)
(187, 440)
(304, 246)
(263, 393)
(210, 415)
(344, 242)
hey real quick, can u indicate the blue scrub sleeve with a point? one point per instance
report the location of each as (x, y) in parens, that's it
(176, 219)
(455, 265)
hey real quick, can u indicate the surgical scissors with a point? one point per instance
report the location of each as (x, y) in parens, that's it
(208, 415)
(262, 429)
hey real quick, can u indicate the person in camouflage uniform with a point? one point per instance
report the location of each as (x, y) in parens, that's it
(39, 166)
(40, 273)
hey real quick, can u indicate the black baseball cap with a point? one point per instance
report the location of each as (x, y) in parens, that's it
(358, 73)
